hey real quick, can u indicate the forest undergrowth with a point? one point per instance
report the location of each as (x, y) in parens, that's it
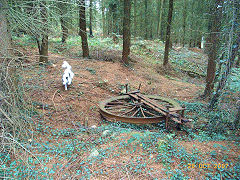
(71, 140)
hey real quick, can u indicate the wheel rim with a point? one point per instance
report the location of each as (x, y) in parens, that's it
(125, 109)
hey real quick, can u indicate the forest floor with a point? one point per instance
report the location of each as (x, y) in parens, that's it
(71, 140)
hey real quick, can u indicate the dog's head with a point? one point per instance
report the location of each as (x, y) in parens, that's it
(66, 65)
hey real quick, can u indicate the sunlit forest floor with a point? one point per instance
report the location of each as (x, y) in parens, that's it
(71, 140)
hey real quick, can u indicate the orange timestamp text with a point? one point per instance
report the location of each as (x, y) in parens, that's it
(208, 165)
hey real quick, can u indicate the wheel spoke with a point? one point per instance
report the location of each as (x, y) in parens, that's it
(154, 115)
(129, 111)
(142, 111)
(135, 113)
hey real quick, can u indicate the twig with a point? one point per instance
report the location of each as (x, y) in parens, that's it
(6, 116)
(53, 99)
(3, 98)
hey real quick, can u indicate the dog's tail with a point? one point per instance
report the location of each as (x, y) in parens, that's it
(65, 65)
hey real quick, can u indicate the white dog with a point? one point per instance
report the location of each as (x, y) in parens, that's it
(67, 75)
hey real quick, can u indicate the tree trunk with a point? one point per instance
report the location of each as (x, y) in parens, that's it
(151, 20)
(184, 21)
(103, 19)
(168, 33)
(120, 26)
(212, 43)
(237, 119)
(142, 25)
(199, 41)
(64, 30)
(191, 40)
(126, 31)
(5, 37)
(63, 10)
(146, 18)
(82, 28)
(238, 61)
(43, 51)
(114, 19)
(110, 23)
(135, 18)
(225, 75)
(160, 12)
(43, 48)
(90, 19)
(151, 28)
(158, 16)
(162, 22)
(8, 79)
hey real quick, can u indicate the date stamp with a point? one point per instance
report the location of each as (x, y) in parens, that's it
(208, 165)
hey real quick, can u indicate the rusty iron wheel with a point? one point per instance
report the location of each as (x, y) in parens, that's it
(126, 109)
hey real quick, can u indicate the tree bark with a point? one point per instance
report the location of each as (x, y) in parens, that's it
(237, 119)
(238, 61)
(184, 21)
(43, 51)
(168, 33)
(82, 28)
(142, 25)
(114, 18)
(90, 19)
(146, 18)
(199, 40)
(109, 18)
(151, 21)
(151, 29)
(158, 16)
(64, 30)
(160, 12)
(63, 10)
(5, 37)
(103, 19)
(213, 43)
(162, 28)
(126, 31)
(135, 18)
(191, 40)
(43, 47)
(225, 75)
(8, 79)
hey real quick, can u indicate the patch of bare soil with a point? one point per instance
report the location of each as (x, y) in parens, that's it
(93, 82)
